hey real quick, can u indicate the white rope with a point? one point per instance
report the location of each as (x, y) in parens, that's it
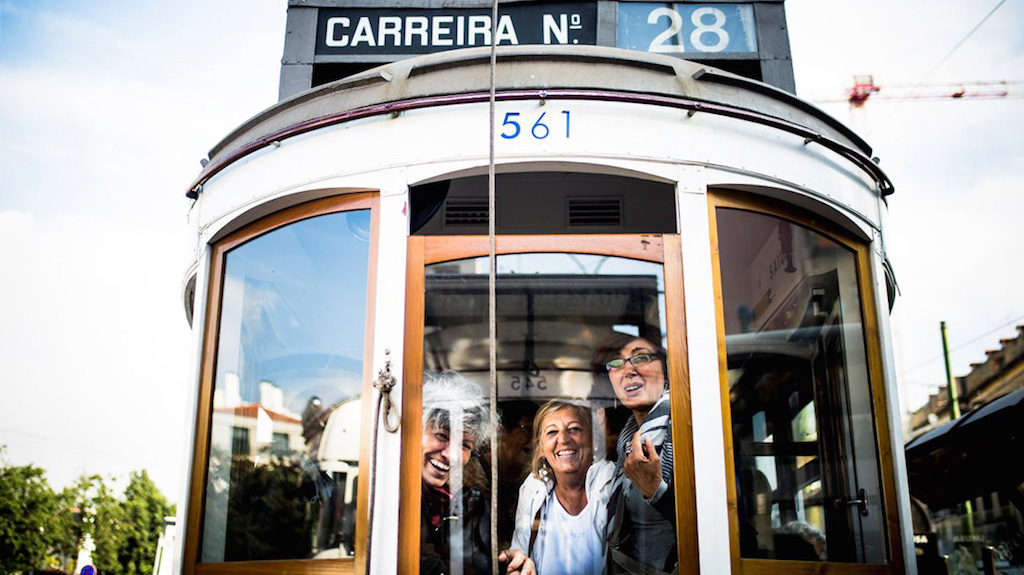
(384, 383)
(492, 324)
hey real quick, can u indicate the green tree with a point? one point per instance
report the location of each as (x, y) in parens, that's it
(43, 529)
(29, 517)
(124, 530)
(143, 512)
(104, 521)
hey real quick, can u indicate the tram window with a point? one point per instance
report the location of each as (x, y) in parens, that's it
(560, 318)
(806, 460)
(285, 417)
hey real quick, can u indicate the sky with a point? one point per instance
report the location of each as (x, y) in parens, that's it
(106, 108)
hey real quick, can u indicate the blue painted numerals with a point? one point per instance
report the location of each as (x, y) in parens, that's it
(512, 126)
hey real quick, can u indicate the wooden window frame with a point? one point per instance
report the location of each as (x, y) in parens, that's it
(869, 310)
(204, 405)
(664, 249)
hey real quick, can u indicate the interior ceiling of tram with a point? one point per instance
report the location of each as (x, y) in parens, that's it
(545, 321)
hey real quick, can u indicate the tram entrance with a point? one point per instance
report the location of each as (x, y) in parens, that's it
(589, 335)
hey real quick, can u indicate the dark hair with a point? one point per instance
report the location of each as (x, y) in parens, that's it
(513, 410)
(610, 346)
(608, 349)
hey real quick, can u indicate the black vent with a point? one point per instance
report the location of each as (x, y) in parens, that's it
(591, 212)
(465, 212)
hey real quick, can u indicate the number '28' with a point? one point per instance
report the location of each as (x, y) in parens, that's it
(513, 126)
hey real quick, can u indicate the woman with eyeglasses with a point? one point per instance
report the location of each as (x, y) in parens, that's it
(641, 512)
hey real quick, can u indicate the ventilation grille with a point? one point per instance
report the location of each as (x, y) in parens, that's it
(465, 212)
(591, 212)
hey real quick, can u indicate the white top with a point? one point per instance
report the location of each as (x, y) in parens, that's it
(536, 496)
(568, 545)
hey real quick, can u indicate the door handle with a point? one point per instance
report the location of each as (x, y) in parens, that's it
(861, 502)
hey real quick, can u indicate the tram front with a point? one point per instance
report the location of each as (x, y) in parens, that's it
(672, 242)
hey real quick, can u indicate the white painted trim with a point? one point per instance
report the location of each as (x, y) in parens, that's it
(895, 412)
(188, 425)
(702, 345)
(389, 334)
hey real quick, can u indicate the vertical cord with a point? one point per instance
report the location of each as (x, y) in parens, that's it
(384, 383)
(492, 324)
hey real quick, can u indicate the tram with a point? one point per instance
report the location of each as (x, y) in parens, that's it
(343, 256)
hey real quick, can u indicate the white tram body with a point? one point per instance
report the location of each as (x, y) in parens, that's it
(714, 140)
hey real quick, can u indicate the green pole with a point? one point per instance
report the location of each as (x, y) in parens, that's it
(954, 414)
(951, 389)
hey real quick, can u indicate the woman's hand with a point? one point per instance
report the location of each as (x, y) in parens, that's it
(643, 466)
(518, 562)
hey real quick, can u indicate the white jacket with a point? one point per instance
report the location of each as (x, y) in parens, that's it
(533, 498)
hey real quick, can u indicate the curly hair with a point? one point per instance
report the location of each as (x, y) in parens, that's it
(448, 395)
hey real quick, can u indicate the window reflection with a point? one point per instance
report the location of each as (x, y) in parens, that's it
(285, 428)
(806, 461)
(553, 313)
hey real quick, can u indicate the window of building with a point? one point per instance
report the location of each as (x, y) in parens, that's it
(809, 484)
(279, 443)
(240, 440)
(283, 376)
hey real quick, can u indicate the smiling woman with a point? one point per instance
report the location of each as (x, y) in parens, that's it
(642, 526)
(455, 517)
(554, 309)
(563, 504)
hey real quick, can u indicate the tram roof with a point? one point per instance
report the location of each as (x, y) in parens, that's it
(532, 72)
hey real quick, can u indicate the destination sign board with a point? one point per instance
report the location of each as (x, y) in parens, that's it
(694, 29)
(366, 31)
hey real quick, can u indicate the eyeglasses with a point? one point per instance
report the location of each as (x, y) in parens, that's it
(637, 360)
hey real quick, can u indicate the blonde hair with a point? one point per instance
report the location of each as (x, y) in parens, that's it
(539, 465)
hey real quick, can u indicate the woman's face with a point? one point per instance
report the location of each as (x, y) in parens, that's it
(515, 448)
(439, 453)
(566, 443)
(638, 387)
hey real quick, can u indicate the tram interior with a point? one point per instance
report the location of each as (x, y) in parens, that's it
(807, 484)
(549, 324)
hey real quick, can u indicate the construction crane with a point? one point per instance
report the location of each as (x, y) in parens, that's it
(864, 88)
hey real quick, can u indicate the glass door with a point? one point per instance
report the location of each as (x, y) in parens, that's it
(590, 352)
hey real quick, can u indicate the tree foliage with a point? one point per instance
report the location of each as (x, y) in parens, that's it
(29, 512)
(43, 529)
(142, 511)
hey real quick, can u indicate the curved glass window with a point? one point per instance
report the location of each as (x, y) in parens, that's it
(285, 412)
(807, 475)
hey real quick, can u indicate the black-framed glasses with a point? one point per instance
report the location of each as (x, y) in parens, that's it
(637, 360)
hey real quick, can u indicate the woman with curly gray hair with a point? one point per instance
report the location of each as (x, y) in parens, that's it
(456, 422)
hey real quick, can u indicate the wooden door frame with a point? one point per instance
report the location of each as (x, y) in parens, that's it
(876, 385)
(204, 404)
(658, 248)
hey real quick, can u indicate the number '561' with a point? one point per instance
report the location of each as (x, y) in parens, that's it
(513, 126)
